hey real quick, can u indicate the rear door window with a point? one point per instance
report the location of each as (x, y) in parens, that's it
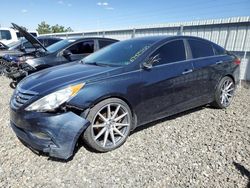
(171, 52)
(104, 43)
(219, 50)
(51, 41)
(5, 34)
(85, 47)
(200, 49)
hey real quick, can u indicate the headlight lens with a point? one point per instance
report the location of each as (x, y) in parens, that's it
(54, 100)
(31, 62)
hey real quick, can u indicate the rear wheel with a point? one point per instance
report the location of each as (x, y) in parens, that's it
(110, 125)
(224, 93)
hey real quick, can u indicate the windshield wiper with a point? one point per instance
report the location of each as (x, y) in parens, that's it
(95, 63)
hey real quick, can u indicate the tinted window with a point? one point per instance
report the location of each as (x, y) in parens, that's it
(60, 45)
(85, 47)
(200, 48)
(18, 34)
(28, 45)
(5, 34)
(33, 34)
(52, 41)
(219, 50)
(120, 53)
(103, 43)
(171, 52)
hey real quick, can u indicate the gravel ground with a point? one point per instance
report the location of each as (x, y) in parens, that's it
(204, 147)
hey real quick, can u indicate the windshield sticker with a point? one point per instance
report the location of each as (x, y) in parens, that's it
(138, 54)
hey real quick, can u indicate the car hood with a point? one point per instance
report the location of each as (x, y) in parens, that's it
(29, 37)
(52, 79)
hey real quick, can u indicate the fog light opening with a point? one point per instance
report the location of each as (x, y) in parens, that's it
(41, 135)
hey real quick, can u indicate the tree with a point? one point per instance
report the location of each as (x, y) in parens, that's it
(44, 28)
(69, 29)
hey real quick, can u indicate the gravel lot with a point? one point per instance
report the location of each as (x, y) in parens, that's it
(204, 147)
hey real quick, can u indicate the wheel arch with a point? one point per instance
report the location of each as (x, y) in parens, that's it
(231, 76)
(226, 75)
(118, 96)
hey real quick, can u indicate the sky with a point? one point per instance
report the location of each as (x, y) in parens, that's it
(87, 15)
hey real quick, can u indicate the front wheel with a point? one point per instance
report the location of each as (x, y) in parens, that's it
(224, 93)
(110, 126)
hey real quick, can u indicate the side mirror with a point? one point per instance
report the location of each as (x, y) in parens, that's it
(147, 65)
(152, 60)
(67, 53)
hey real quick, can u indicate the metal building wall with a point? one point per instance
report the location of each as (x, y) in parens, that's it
(232, 33)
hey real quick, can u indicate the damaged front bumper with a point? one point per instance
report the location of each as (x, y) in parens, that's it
(54, 134)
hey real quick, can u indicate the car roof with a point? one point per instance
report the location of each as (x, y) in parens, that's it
(165, 38)
(46, 37)
(89, 38)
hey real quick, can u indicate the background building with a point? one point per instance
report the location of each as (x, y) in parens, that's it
(231, 33)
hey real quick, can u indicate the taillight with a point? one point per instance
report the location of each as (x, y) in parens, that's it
(237, 61)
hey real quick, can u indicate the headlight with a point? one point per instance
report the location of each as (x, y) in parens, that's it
(31, 62)
(54, 100)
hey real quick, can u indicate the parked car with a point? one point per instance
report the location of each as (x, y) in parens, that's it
(111, 92)
(33, 33)
(24, 45)
(62, 52)
(8, 35)
(3, 46)
(13, 54)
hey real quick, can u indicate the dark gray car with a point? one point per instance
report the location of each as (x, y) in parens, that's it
(64, 51)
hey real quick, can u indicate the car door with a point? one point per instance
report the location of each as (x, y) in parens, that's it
(81, 49)
(167, 86)
(205, 63)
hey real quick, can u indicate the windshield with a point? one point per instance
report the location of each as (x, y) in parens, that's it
(59, 45)
(119, 54)
(14, 44)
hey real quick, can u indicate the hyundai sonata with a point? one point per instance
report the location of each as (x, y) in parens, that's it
(102, 98)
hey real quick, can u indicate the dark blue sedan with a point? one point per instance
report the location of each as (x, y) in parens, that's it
(102, 98)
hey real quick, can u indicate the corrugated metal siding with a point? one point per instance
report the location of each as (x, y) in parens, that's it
(231, 33)
(247, 40)
(223, 36)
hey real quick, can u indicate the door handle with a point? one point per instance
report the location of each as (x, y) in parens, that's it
(187, 71)
(219, 62)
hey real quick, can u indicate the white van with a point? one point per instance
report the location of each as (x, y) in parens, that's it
(8, 36)
(33, 33)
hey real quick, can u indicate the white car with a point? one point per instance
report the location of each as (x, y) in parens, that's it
(8, 36)
(33, 33)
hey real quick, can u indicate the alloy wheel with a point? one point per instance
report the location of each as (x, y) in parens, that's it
(111, 125)
(227, 92)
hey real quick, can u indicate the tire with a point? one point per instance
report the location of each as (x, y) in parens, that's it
(224, 93)
(108, 129)
(13, 85)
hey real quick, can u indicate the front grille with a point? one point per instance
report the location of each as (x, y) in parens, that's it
(21, 97)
